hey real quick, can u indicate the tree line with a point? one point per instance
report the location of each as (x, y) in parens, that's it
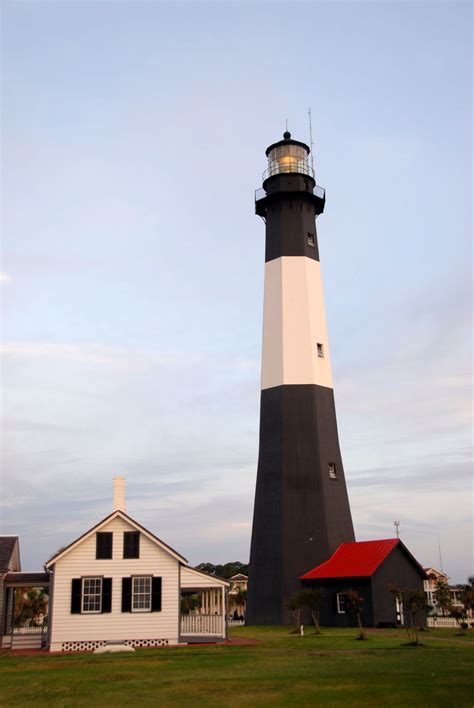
(225, 570)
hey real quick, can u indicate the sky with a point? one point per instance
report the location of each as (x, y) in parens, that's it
(134, 136)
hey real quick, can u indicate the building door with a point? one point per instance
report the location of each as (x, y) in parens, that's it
(399, 610)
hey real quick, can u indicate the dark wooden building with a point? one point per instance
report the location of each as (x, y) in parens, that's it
(371, 568)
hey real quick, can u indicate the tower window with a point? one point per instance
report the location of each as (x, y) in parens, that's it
(332, 470)
(311, 240)
(320, 349)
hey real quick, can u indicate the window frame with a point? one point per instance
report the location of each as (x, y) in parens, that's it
(341, 602)
(136, 593)
(311, 239)
(320, 350)
(128, 534)
(89, 594)
(103, 534)
(332, 469)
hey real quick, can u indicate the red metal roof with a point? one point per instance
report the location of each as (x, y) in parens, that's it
(351, 560)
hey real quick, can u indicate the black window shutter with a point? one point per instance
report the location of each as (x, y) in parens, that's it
(103, 548)
(126, 594)
(156, 595)
(76, 592)
(334, 603)
(106, 594)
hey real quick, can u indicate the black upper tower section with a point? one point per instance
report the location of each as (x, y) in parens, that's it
(289, 201)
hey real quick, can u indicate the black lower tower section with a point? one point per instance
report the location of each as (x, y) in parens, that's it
(301, 513)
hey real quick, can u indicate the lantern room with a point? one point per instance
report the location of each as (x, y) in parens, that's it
(288, 156)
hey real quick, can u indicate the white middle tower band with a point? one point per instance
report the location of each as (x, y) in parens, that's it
(294, 324)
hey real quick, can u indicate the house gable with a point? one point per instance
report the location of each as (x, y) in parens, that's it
(435, 575)
(399, 570)
(103, 526)
(9, 554)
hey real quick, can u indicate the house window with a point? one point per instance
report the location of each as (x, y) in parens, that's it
(332, 470)
(91, 595)
(131, 544)
(311, 240)
(103, 546)
(141, 594)
(341, 603)
(320, 349)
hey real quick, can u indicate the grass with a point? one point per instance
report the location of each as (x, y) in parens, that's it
(332, 669)
(453, 633)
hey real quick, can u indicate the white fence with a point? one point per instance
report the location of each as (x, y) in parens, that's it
(202, 625)
(442, 622)
(447, 621)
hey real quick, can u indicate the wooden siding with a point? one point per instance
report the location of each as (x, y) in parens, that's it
(400, 570)
(191, 578)
(117, 625)
(13, 566)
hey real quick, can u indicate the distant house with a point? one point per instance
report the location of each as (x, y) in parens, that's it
(239, 581)
(9, 562)
(237, 599)
(371, 568)
(438, 617)
(431, 583)
(13, 635)
(119, 583)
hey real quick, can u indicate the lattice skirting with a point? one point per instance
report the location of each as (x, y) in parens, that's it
(91, 645)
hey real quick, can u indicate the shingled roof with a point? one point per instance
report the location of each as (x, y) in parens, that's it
(7, 546)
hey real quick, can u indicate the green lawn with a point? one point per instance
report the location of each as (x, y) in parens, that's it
(283, 669)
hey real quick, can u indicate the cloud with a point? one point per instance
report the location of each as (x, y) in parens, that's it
(5, 278)
(96, 355)
(14, 425)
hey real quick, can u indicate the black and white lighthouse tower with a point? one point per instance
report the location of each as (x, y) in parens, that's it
(301, 512)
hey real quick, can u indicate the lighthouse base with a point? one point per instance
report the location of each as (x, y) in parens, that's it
(301, 512)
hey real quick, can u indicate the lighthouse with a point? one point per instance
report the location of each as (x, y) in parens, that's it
(301, 512)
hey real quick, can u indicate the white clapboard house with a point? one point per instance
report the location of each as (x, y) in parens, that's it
(118, 583)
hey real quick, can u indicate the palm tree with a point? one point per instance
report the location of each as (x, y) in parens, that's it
(30, 605)
(443, 597)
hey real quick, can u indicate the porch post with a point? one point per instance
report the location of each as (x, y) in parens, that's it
(224, 613)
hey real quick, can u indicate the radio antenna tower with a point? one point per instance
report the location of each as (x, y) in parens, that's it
(397, 524)
(311, 138)
(440, 556)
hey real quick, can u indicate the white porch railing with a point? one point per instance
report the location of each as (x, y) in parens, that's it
(34, 629)
(202, 625)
